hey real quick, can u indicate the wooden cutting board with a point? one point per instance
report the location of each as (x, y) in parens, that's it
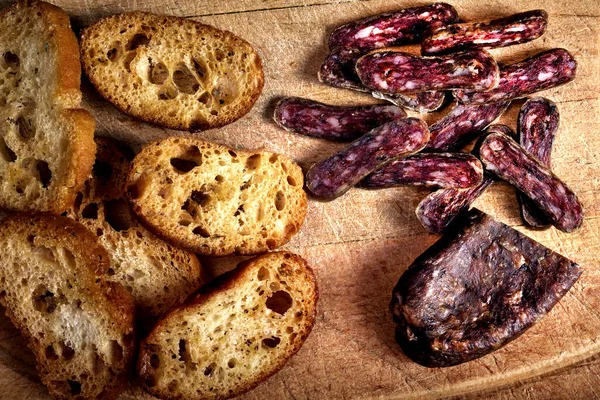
(360, 244)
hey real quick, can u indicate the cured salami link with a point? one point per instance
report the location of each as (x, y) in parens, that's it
(338, 71)
(510, 162)
(537, 124)
(446, 170)
(442, 208)
(502, 32)
(391, 29)
(393, 72)
(543, 71)
(420, 102)
(334, 176)
(462, 124)
(476, 289)
(320, 120)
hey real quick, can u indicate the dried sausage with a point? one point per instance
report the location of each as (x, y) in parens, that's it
(543, 71)
(316, 119)
(392, 29)
(476, 289)
(462, 123)
(334, 176)
(502, 32)
(446, 170)
(440, 209)
(338, 71)
(390, 71)
(537, 125)
(510, 162)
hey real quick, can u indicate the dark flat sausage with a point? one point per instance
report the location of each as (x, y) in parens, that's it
(441, 209)
(501, 32)
(338, 71)
(320, 120)
(390, 71)
(462, 124)
(334, 176)
(543, 71)
(392, 29)
(476, 289)
(537, 125)
(506, 159)
(446, 170)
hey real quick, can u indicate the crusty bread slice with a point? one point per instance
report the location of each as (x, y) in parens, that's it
(172, 71)
(214, 200)
(46, 141)
(157, 274)
(230, 338)
(78, 325)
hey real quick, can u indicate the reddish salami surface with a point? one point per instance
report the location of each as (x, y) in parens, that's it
(442, 208)
(389, 71)
(537, 125)
(316, 119)
(510, 162)
(543, 71)
(474, 290)
(334, 176)
(338, 70)
(391, 29)
(502, 32)
(446, 170)
(462, 124)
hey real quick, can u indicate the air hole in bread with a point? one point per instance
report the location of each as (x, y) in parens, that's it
(205, 98)
(271, 244)
(66, 351)
(11, 60)
(172, 385)
(6, 152)
(185, 80)
(273, 159)
(219, 178)
(168, 93)
(138, 189)
(45, 253)
(210, 369)
(78, 200)
(68, 257)
(182, 165)
(184, 221)
(165, 192)
(116, 352)
(150, 380)
(253, 162)
(74, 386)
(219, 55)
(183, 354)
(239, 210)
(291, 181)
(112, 54)
(116, 213)
(263, 274)
(289, 329)
(43, 173)
(102, 170)
(214, 112)
(201, 231)
(99, 232)
(25, 128)
(98, 366)
(154, 361)
(51, 354)
(279, 200)
(138, 40)
(90, 211)
(43, 300)
(280, 302)
(157, 72)
(201, 198)
(127, 61)
(274, 286)
(271, 342)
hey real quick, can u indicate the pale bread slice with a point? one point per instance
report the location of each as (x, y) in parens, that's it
(228, 339)
(172, 71)
(214, 200)
(78, 325)
(157, 274)
(46, 140)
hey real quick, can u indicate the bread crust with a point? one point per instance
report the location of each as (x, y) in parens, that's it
(229, 282)
(164, 107)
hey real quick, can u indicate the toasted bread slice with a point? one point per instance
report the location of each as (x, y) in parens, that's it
(46, 141)
(230, 338)
(213, 200)
(157, 274)
(78, 325)
(172, 71)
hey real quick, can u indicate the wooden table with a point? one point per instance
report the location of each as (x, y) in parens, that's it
(361, 243)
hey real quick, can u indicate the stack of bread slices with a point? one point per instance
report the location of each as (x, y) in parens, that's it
(99, 262)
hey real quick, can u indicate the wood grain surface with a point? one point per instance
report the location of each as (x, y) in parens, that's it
(360, 244)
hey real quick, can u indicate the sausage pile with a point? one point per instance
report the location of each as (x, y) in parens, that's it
(388, 149)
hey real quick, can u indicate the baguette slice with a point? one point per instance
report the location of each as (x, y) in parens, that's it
(46, 140)
(157, 274)
(229, 339)
(213, 200)
(172, 71)
(78, 325)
